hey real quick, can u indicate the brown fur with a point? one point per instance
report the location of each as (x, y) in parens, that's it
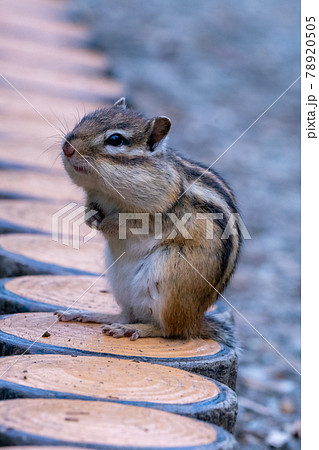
(142, 175)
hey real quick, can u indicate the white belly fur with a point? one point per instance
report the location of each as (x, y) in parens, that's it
(133, 278)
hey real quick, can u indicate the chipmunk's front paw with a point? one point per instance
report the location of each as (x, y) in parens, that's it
(77, 315)
(118, 330)
(95, 220)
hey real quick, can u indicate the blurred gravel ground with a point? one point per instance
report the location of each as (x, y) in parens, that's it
(214, 67)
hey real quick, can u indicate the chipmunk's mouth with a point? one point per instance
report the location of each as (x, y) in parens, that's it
(79, 166)
(80, 169)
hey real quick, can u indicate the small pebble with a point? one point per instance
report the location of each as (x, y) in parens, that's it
(286, 407)
(277, 439)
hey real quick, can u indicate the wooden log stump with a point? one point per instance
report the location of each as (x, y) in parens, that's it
(124, 381)
(38, 185)
(51, 292)
(18, 155)
(56, 292)
(27, 216)
(103, 425)
(30, 254)
(99, 89)
(50, 108)
(71, 60)
(39, 447)
(25, 136)
(35, 333)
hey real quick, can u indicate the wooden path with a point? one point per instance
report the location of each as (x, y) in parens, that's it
(65, 383)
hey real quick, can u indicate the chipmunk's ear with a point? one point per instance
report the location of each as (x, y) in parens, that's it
(121, 103)
(160, 127)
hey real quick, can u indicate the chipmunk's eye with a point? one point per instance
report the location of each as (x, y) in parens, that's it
(115, 140)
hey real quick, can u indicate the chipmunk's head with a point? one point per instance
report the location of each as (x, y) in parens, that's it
(112, 144)
(114, 133)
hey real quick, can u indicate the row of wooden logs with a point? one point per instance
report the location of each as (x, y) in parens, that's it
(66, 383)
(67, 361)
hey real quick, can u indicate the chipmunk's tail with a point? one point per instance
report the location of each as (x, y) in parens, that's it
(222, 331)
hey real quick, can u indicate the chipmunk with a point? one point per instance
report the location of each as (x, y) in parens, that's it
(164, 278)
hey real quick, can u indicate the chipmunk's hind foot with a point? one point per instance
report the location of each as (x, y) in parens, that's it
(133, 331)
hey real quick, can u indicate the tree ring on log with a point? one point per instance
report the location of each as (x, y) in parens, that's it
(124, 381)
(32, 254)
(51, 292)
(103, 425)
(23, 332)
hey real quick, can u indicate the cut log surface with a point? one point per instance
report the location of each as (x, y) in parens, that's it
(28, 140)
(51, 292)
(28, 216)
(49, 107)
(79, 59)
(104, 425)
(15, 154)
(39, 185)
(112, 379)
(44, 16)
(39, 447)
(37, 8)
(38, 130)
(30, 254)
(25, 332)
(61, 83)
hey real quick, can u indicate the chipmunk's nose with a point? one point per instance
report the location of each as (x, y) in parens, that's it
(68, 150)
